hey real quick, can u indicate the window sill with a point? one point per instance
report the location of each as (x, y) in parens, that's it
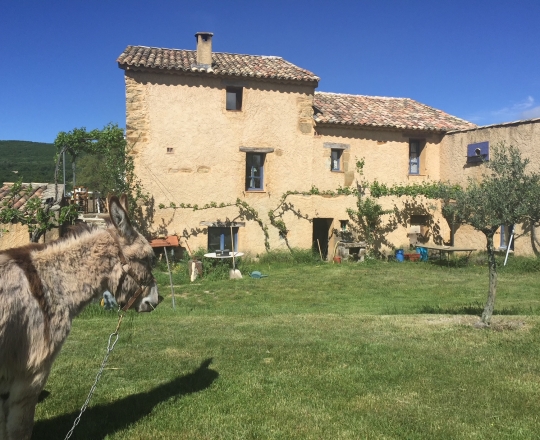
(234, 111)
(417, 175)
(337, 171)
(254, 191)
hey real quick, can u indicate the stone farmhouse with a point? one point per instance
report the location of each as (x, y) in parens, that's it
(216, 127)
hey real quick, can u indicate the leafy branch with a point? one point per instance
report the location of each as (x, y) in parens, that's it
(38, 216)
(245, 210)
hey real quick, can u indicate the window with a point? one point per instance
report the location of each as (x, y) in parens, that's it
(478, 153)
(506, 232)
(170, 150)
(343, 224)
(335, 159)
(234, 98)
(255, 171)
(419, 226)
(414, 157)
(220, 238)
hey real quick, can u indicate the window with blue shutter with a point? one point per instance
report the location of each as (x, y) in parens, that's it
(255, 171)
(414, 157)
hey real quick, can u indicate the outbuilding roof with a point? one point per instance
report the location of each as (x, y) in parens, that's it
(383, 112)
(227, 64)
(45, 191)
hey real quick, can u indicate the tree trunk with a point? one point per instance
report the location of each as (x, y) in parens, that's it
(35, 236)
(492, 263)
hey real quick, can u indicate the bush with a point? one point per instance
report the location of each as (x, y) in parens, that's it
(295, 256)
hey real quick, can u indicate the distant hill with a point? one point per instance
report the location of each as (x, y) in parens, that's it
(33, 161)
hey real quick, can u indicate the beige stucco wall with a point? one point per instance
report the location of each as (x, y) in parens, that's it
(187, 114)
(14, 235)
(524, 135)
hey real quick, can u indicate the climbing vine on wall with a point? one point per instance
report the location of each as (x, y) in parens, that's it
(245, 210)
(367, 216)
(276, 219)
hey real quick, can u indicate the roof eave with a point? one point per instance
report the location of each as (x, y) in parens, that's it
(133, 68)
(377, 127)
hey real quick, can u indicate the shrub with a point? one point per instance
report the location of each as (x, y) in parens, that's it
(296, 256)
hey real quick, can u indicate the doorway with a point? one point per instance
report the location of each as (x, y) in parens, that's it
(321, 235)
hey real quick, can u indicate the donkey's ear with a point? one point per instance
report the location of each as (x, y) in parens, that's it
(124, 202)
(120, 219)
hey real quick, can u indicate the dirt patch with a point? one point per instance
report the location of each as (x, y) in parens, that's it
(451, 319)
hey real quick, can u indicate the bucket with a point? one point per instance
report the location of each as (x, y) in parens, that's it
(337, 260)
(400, 256)
(423, 253)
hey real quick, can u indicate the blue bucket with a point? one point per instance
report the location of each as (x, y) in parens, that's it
(423, 253)
(400, 256)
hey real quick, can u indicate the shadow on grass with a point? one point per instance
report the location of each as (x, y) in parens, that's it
(453, 263)
(468, 309)
(99, 421)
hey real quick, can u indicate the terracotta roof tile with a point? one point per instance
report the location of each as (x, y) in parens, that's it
(40, 190)
(376, 111)
(228, 64)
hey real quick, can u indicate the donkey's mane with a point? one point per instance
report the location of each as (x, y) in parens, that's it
(78, 232)
(79, 229)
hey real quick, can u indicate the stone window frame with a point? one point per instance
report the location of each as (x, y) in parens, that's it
(250, 151)
(251, 177)
(336, 153)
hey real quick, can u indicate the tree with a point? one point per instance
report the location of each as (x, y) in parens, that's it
(506, 194)
(367, 218)
(107, 165)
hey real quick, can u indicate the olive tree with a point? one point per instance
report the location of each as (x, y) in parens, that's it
(506, 194)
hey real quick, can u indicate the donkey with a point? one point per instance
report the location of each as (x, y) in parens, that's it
(43, 287)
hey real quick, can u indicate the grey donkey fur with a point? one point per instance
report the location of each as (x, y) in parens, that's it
(43, 287)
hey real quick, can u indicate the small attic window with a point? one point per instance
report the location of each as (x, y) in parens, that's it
(234, 98)
(170, 150)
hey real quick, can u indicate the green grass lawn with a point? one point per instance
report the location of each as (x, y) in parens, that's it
(351, 351)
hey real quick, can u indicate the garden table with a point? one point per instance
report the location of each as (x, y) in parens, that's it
(213, 255)
(448, 250)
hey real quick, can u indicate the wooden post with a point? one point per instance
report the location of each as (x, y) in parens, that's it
(320, 252)
(170, 277)
(233, 260)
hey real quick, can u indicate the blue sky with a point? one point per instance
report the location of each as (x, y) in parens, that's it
(478, 60)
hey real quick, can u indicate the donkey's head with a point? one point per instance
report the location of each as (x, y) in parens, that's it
(131, 281)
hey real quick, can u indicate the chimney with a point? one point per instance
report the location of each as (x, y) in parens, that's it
(204, 49)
